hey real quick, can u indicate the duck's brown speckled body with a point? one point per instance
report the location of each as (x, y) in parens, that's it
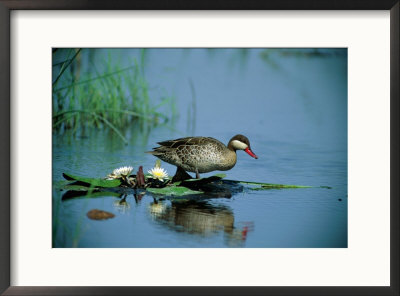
(202, 154)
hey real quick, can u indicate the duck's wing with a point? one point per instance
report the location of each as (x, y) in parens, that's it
(188, 141)
(176, 143)
(170, 145)
(181, 143)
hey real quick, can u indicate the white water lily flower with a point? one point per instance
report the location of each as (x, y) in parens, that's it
(121, 172)
(158, 173)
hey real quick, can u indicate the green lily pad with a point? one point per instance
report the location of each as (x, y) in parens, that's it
(173, 191)
(93, 182)
(277, 186)
(282, 186)
(266, 186)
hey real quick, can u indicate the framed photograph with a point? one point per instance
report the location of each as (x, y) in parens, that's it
(199, 148)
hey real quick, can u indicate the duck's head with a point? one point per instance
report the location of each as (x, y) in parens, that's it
(240, 142)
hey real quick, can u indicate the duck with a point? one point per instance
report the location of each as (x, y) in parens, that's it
(201, 154)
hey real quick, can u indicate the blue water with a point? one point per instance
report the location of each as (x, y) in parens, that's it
(291, 104)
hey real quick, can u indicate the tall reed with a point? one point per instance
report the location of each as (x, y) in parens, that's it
(89, 94)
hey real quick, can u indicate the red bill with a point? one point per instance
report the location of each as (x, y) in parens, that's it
(249, 152)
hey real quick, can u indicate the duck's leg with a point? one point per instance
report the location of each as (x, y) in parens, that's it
(180, 175)
(197, 174)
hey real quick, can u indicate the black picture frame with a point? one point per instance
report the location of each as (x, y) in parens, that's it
(7, 6)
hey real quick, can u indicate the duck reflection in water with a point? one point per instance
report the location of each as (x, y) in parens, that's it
(200, 218)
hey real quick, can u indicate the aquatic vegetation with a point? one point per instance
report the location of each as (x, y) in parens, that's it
(120, 173)
(157, 182)
(91, 182)
(174, 190)
(91, 91)
(158, 173)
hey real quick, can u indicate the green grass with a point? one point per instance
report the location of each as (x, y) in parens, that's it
(91, 91)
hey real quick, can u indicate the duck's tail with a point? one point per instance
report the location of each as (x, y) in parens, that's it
(155, 152)
(161, 150)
